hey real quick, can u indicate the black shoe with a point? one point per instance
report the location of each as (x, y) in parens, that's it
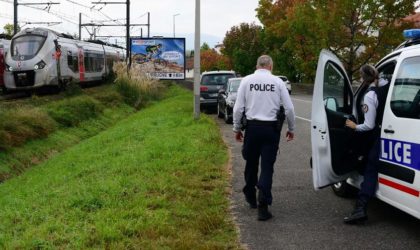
(263, 213)
(251, 199)
(358, 215)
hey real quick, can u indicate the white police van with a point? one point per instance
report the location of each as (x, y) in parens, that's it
(333, 159)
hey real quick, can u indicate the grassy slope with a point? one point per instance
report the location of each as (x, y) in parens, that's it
(16, 160)
(155, 180)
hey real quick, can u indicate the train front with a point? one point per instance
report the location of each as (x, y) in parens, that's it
(30, 63)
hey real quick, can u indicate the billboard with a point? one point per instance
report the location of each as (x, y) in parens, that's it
(160, 58)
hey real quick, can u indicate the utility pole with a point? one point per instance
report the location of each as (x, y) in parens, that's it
(80, 26)
(173, 22)
(128, 34)
(197, 61)
(148, 24)
(15, 17)
(15, 12)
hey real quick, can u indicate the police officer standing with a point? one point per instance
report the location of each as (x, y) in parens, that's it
(373, 109)
(261, 98)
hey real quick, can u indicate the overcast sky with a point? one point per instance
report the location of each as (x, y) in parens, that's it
(218, 16)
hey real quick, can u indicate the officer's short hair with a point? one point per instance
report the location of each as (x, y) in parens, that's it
(368, 73)
(264, 61)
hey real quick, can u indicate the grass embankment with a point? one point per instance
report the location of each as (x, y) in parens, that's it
(156, 180)
(35, 129)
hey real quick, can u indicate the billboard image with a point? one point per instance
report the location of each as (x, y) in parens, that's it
(160, 58)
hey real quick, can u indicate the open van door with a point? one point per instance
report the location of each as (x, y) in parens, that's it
(332, 104)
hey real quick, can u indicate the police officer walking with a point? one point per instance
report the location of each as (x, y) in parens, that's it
(373, 109)
(265, 102)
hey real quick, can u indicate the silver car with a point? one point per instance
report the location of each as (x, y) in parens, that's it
(287, 82)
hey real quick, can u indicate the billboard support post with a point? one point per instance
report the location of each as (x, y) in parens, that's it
(197, 61)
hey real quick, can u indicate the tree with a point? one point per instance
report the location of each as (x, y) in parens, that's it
(368, 30)
(9, 28)
(205, 46)
(211, 60)
(273, 16)
(243, 45)
(357, 31)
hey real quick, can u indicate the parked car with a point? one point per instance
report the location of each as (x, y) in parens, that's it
(337, 160)
(226, 99)
(287, 82)
(210, 84)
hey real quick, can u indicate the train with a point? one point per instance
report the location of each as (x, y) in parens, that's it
(4, 47)
(40, 57)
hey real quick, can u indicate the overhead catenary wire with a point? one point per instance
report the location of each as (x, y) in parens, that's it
(68, 17)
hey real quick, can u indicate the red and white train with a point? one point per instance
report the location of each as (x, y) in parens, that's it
(42, 57)
(4, 47)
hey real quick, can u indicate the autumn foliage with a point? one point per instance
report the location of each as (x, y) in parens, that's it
(211, 60)
(295, 31)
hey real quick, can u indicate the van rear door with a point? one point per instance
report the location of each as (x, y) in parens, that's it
(332, 104)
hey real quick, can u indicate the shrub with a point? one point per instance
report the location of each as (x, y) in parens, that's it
(22, 124)
(137, 88)
(72, 89)
(70, 112)
(110, 97)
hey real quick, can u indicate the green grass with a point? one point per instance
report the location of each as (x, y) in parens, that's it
(70, 112)
(29, 134)
(156, 180)
(22, 124)
(16, 160)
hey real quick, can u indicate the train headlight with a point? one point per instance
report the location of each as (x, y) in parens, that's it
(8, 68)
(40, 65)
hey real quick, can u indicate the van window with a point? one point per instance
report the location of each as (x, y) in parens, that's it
(334, 84)
(405, 101)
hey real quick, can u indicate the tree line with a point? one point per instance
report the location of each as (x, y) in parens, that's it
(295, 31)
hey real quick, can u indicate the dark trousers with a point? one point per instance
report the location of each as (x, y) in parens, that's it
(261, 141)
(370, 176)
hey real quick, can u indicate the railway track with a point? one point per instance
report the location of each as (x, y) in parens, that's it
(12, 96)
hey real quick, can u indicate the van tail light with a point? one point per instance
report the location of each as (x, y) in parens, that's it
(204, 89)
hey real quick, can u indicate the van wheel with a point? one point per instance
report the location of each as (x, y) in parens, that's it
(343, 189)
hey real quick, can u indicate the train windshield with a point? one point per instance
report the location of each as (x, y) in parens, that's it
(26, 47)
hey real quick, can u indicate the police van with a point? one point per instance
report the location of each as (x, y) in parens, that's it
(334, 159)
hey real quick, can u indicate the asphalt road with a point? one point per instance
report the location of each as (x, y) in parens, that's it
(308, 219)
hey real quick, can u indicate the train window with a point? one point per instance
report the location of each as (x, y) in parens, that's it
(72, 61)
(94, 62)
(26, 47)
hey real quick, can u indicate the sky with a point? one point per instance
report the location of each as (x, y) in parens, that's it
(217, 17)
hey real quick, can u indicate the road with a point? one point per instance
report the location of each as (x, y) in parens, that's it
(308, 219)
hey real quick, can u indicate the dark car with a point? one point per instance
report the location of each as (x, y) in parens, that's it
(226, 99)
(210, 84)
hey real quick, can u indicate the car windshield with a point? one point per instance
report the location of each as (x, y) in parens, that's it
(216, 79)
(234, 85)
(26, 47)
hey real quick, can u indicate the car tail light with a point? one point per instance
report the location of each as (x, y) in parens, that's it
(204, 89)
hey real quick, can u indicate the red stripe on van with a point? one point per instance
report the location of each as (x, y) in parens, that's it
(399, 187)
